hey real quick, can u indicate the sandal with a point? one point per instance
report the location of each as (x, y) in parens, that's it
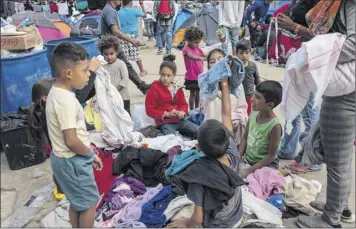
(297, 168)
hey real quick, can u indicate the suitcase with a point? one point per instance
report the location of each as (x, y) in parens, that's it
(18, 151)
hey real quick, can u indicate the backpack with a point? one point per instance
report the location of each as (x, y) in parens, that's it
(165, 11)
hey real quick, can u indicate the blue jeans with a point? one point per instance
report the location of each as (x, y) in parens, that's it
(164, 32)
(185, 127)
(149, 28)
(310, 115)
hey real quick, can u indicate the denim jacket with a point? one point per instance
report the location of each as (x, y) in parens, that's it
(209, 81)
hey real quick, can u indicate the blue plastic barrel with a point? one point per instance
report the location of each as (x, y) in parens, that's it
(90, 43)
(18, 75)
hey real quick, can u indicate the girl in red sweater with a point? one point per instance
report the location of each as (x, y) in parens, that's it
(166, 104)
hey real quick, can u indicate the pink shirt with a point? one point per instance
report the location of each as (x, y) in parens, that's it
(194, 67)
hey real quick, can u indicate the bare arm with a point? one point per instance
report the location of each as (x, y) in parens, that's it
(226, 105)
(243, 143)
(143, 9)
(193, 57)
(74, 144)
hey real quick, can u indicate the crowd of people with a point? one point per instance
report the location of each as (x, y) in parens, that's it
(239, 125)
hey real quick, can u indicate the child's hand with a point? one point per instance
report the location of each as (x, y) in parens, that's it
(245, 172)
(98, 164)
(94, 64)
(181, 114)
(170, 114)
(139, 43)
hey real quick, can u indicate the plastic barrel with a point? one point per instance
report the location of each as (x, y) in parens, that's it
(90, 43)
(18, 75)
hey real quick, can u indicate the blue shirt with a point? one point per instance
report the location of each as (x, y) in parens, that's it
(128, 20)
(260, 7)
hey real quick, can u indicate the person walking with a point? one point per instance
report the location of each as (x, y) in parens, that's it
(230, 18)
(110, 25)
(163, 13)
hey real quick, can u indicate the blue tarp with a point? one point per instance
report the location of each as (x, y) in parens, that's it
(182, 16)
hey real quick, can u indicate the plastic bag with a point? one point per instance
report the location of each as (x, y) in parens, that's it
(140, 118)
(31, 208)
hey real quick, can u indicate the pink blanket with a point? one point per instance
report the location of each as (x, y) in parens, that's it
(265, 182)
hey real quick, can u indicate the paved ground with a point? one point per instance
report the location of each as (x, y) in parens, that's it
(17, 186)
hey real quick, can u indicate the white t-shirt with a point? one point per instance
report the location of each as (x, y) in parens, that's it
(149, 8)
(63, 112)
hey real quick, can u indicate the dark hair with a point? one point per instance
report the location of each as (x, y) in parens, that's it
(271, 91)
(214, 51)
(193, 33)
(168, 61)
(67, 53)
(126, 2)
(109, 41)
(243, 45)
(213, 138)
(36, 117)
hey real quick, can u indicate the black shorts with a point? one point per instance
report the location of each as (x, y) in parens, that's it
(191, 85)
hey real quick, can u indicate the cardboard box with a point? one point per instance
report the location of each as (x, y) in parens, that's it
(29, 40)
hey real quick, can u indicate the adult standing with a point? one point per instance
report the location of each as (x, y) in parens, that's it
(230, 18)
(110, 25)
(337, 129)
(293, 21)
(148, 20)
(260, 10)
(163, 13)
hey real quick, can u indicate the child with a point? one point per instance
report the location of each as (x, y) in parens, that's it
(37, 113)
(218, 199)
(128, 17)
(211, 109)
(109, 47)
(72, 158)
(37, 120)
(263, 133)
(193, 59)
(165, 102)
(252, 77)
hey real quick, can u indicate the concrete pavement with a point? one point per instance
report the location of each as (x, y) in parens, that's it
(16, 186)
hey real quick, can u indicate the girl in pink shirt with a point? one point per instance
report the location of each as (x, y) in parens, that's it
(194, 63)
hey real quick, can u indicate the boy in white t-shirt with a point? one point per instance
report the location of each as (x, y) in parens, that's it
(72, 158)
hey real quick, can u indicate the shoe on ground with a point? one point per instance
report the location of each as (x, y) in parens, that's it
(59, 196)
(305, 221)
(160, 51)
(346, 216)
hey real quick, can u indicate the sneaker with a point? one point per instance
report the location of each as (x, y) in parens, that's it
(305, 221)
(160, 51)
(346, 216)
(168, 52)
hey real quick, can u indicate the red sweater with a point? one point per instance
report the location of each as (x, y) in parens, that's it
(159, 99)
